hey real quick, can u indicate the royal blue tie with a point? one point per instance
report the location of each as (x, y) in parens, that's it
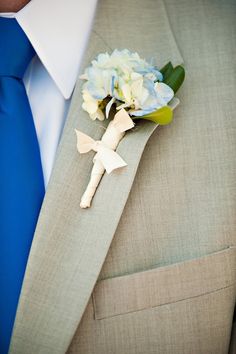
(21, 177)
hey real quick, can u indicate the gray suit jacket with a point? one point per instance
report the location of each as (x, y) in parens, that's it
(151, 267)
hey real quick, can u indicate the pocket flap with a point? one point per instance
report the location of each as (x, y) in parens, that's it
(165, 285)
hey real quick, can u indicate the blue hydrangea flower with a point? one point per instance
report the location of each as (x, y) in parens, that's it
(130, 81)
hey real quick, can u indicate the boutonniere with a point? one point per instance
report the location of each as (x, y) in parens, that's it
(137, 90)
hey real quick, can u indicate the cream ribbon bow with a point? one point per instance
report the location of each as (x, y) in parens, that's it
(109, 142)
(109, 158)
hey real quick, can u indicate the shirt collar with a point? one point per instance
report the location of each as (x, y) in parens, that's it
(59, 31)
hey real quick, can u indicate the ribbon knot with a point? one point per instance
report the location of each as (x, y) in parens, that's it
(109, 158)
(97, 145)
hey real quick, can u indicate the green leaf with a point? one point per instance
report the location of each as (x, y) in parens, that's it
(167, 70)
(176, 78)
(162, 116)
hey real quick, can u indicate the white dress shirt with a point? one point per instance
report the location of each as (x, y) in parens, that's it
(59, 32)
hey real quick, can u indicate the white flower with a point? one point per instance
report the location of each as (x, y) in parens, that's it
(128, 80)
(91, 106)
(133, 92)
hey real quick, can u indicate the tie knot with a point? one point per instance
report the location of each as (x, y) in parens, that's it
(15, 48)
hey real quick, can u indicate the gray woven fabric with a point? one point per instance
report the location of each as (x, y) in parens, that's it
(181, 205)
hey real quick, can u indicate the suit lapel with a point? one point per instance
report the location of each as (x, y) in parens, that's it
(70, 244)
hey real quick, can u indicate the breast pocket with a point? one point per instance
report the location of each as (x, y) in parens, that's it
(181, 308)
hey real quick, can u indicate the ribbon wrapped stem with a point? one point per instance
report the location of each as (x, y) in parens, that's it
(96, 176)
(106, 159)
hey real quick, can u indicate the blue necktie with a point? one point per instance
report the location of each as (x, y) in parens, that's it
(21, 176)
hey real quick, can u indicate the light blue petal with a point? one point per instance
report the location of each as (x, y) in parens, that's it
(96, 92)
(149, 85)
